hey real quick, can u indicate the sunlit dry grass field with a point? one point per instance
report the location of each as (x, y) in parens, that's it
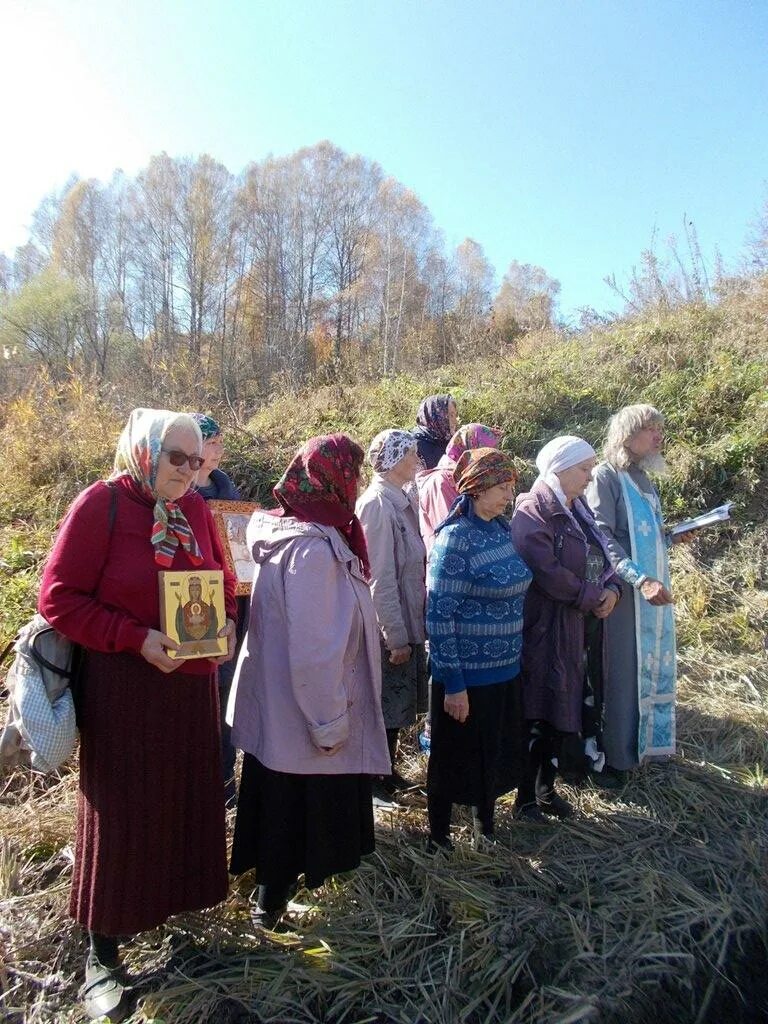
(650, 906)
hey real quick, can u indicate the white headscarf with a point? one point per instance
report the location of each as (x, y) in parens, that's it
(390, 447)
(559, 454)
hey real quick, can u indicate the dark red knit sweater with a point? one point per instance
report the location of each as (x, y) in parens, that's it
(101, 590)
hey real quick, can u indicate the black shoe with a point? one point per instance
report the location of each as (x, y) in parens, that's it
(484, 842)
(528, 813)
(382, 797)
(438, 844)
(557, 807)
(396, 783)
(265, 920)
(105, 992)
(610, 778)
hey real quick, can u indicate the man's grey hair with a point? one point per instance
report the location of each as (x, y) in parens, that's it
(622, 427)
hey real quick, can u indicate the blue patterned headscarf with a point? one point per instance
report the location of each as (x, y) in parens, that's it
(434, 419)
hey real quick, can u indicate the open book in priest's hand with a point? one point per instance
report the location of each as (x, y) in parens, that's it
(716, 515)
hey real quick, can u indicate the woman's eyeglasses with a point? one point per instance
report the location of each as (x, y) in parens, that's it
(177, 458)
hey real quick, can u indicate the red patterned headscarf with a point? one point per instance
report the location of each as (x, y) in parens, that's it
(320, 486)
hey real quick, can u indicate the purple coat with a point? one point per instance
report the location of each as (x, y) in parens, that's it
(309, 672)
(550, 542)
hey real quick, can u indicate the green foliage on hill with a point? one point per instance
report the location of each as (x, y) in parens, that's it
(705, 367)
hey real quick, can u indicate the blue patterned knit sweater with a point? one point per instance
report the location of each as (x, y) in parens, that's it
(476, 588)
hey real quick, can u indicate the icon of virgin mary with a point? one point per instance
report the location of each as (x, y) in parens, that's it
(196, 620)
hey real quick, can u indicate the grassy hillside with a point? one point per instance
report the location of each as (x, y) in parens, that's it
(651, 906)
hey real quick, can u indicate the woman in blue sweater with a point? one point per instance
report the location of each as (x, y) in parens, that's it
(476, 589)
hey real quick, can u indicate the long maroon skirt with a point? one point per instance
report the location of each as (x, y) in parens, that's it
(150, 826)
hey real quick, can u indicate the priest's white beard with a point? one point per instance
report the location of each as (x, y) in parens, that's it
(654, 463)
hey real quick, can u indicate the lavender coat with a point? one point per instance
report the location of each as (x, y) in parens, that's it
(309, 672)
(552, 545)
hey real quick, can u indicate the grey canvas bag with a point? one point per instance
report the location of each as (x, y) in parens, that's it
(41, 725)
(41, 729)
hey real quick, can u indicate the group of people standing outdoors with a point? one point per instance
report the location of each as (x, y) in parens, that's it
(368, 605)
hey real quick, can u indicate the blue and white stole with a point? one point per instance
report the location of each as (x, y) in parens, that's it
(654, 625)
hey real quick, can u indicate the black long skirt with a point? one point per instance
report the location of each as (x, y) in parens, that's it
(475, 762)
(289, 825)
(404, 688)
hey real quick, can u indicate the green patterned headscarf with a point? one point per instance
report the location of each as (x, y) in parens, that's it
(208, 426)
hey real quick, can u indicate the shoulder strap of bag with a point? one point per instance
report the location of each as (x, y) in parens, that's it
(110, 527)
(112, 511)
(41, 659)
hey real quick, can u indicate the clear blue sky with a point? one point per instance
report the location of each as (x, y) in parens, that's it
(556, 133)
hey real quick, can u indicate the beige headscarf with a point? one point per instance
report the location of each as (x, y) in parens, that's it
(138, 453)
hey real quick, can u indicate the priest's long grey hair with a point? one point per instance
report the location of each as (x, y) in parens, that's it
(622, 427)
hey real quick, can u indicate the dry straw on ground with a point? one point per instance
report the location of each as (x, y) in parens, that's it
(650, 907)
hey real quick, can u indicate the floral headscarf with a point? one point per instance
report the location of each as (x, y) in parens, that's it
(479, 469)
(472, 435)
(137, 456)
(433, 418)
(208, 426)
(389, 447)
(320, 486)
